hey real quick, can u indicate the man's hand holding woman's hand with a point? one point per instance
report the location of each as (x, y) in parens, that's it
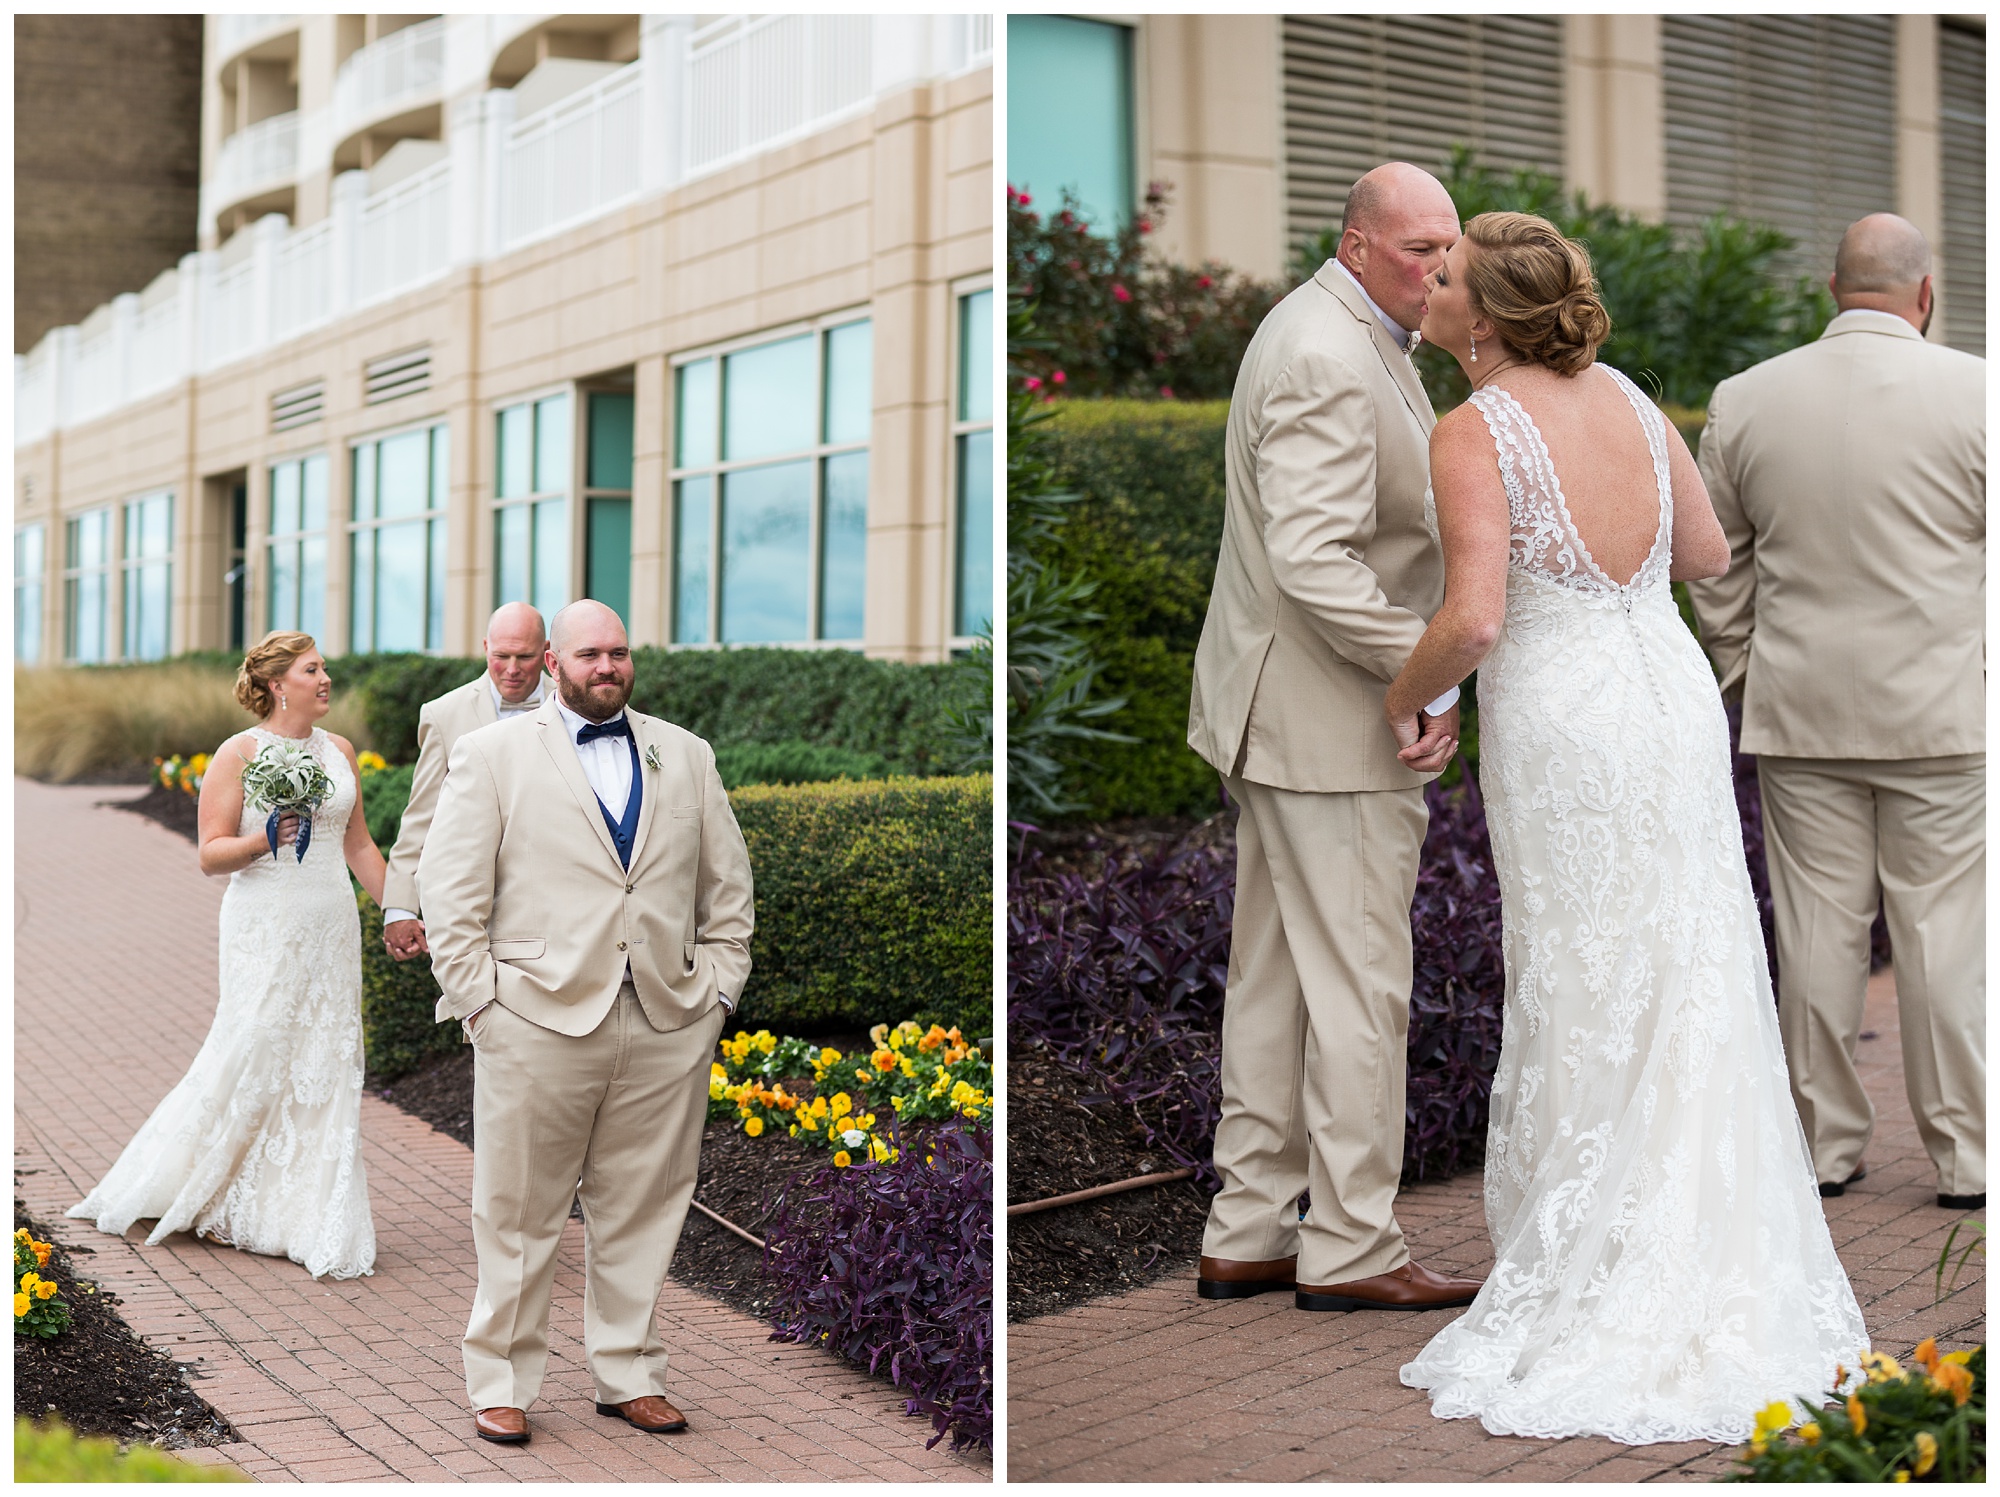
(1425, 743)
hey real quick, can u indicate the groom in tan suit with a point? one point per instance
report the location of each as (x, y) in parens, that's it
(587, 895)
(1850, 478)
(1326, 577)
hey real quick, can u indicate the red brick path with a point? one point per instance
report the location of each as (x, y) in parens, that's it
(114, 968)
(1160, 1386)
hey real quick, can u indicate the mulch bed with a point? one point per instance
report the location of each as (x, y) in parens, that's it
(1072, 1254)
(98, 1377)
(173, 809)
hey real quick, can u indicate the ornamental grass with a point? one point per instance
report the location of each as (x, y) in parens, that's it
(72, 723)
(1917, 1424)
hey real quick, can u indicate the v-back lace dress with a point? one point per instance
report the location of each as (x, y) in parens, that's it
(259, 1145)
(1662, 1263)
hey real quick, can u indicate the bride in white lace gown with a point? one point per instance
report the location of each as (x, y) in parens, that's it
(259, 1145)
(1662, 1266)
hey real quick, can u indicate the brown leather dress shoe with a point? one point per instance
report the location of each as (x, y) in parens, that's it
(1233, 1278)
(502, 1426)
(1828, 1189)
(1411, 1287)
(652, 1413)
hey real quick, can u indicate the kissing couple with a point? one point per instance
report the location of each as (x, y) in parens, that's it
(1662, 1265)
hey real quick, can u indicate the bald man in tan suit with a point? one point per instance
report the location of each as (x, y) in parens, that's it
(1326, 577)
(1850, 478)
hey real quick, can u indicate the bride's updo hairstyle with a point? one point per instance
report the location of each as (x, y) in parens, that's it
(263, 663)
(1537, 289)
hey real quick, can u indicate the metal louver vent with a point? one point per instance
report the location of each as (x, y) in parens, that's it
(397, 375)
(1962, 84)
(1361, 90)
(1789, 120)
(298, 406)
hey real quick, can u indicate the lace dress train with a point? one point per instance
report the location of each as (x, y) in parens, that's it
(259, 1144)
(1662, 1262)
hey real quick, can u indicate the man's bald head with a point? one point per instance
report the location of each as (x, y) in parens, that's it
(1884, 265)
(586, 615)
(1394, 231)
(514, 644)
(590, 659)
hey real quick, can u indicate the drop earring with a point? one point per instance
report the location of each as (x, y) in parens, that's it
(283, 705)
(1475, 350)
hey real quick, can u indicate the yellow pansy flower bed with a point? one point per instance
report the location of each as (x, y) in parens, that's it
(1884, 1423)
(39, 1309)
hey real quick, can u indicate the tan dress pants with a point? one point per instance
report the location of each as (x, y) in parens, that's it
(1838, 832)
(620, 1110)
(1314, 1028)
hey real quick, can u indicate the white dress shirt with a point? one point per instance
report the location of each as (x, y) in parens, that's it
(1403, 338)
(607, 762)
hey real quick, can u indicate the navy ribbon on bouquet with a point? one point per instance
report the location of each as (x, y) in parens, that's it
(304, 813)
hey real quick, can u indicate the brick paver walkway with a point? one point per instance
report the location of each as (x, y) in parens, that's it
(360, 1380)
(1158, 1385)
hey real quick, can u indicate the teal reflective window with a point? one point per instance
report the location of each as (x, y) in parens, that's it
(30, 562)
(295, 568)
(843, 536)
(696, 409)
(1069, 115)
(768, 406)
(610, 465)
(694, 518)
(148, 574)
(975, 357)
(766, 534)
(396, 545)
(608, 554)
(975, 532)
(849, 394)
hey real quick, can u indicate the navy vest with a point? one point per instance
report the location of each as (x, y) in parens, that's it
(625, 828)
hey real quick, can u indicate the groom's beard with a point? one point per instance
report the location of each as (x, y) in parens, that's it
(597, 697)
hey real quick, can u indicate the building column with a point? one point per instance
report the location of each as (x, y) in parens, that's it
(907, 600)
(1920, 146)
(652, 545)
(1615, 116)
(1213, 110)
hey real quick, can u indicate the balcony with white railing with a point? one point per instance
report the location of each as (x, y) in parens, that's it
(576, 159)
(257, 159)
(696, 101)
(234, 33)
(754, 83)
(401, 72)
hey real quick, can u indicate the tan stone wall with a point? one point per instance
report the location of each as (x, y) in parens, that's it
(891, 211)
(106, 159)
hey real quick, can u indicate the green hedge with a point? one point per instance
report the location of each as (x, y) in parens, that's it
(874, 904)
(54, 1452)
(1146, 526)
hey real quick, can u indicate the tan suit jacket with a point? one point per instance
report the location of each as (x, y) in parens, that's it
(1850, 478)
(441, 723)
(528, 906)
(1327, 572)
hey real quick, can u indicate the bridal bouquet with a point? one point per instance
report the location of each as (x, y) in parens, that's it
(285, 779)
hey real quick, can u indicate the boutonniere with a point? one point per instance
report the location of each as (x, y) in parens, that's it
(652, 756)
(1416, 342)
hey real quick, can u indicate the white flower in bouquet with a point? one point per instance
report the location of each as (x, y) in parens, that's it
(285, 779)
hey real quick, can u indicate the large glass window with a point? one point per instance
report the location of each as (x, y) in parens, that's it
(770, 522)
(148, 573)
(1069, 114)
(30, 557)
(531, 516)
(296, 598)
(607, 500)
(87, 587)
(398, 538)
(973, 434)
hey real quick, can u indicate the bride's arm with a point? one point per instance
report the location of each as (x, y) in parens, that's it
(220, 811)
(1473, 527)
(1700, 549)
(363, 856)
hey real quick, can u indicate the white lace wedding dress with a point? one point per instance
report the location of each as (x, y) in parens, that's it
(259, 1145)
(1662, 1263)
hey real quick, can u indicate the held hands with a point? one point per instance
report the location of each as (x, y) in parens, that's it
(1425, 743)
(405, 939)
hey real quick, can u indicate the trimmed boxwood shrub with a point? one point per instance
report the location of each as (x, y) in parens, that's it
(874, 904)
(1147, 525)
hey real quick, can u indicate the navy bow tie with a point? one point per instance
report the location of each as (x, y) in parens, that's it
(618, 727)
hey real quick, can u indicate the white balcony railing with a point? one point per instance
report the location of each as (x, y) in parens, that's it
(401, 71)
(233, 32)
(754, 84)
(255, 159)
(404, 235)
(697, 100)
(577, 158)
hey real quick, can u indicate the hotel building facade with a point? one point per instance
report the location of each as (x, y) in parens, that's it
(1262, 122)
(690, 314)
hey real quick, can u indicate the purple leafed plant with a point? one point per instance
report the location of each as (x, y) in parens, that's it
(890, 1264)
